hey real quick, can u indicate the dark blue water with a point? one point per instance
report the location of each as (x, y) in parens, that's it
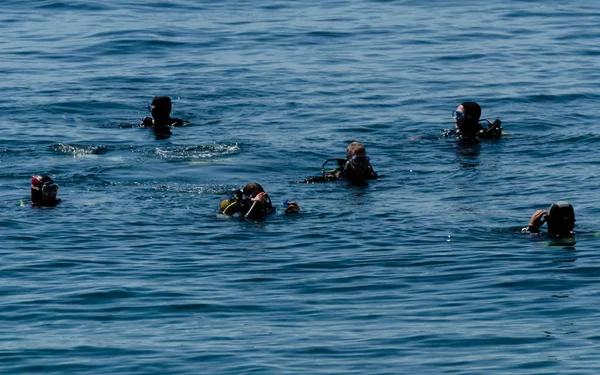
(422, 271)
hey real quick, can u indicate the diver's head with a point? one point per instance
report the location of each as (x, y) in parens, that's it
(467, 115)
(561, 219)
(252, 189)
(161, 107)
(43, 191)
(357, 160)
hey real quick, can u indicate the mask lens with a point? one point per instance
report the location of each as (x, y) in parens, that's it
(457, 115)
(360, 161)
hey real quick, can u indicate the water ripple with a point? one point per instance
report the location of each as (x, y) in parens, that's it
(134, 272)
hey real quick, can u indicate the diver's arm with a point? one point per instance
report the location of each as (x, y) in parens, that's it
(372, 173)
(449, 133)
(538, 219)
(177, 122)
(146, 121)
(315, 180)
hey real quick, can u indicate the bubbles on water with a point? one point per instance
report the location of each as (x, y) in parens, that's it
(196, 152)
(79, 151)
(71, 118)
(220, 190)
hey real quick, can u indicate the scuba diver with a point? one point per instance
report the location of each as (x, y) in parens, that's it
(468, 127)
(43, 191)
(355, 168)
(253, 203)
(161, 115)
(560, 218)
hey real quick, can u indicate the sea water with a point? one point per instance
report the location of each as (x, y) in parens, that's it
(422, 271)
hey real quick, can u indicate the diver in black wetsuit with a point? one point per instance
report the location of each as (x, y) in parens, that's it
(468, 127)
(43, 191)
(253, 203)
(560, 218)
(161, 115)
(355, 168)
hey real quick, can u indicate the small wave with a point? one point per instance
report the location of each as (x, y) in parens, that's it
(133, 44)
(196, 152)
(558, 98)
(71, 6)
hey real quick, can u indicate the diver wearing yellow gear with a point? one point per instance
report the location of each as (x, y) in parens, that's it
(253, 203)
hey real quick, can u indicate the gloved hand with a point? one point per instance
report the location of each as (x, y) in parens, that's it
(261, 197)
(292, 207)
(538, 219)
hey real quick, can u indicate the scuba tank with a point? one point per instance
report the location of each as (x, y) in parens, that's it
(234, 204)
